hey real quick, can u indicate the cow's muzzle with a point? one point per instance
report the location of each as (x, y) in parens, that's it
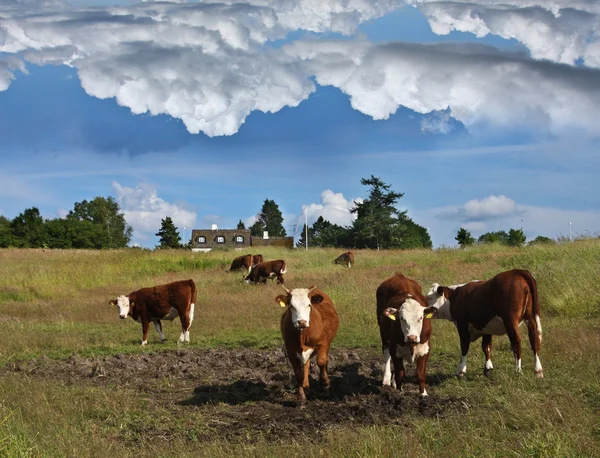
(301, 324)
(412, 339)
(122, 316)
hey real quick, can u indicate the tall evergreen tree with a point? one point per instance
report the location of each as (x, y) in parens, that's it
(464, 238)
(169, 235)
(269, 219)
(241, 225)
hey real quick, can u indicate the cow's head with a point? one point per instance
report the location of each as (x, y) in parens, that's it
(410, 314)
(123, 304)
(437, 296)
(300, 302)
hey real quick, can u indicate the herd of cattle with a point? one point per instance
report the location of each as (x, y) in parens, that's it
(310, 322)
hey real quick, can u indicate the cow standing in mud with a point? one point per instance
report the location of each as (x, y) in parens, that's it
(308, 326)
(163, 302)
(265, 270)
(346, 259)
(493, 307)
(405, 328)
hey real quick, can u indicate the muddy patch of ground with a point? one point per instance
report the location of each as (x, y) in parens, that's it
(248, 395)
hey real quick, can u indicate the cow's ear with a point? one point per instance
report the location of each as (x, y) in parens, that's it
(131, 304)
(440, 290)
(390, 313)
(430, 311)
(316, 299)
(282, 300)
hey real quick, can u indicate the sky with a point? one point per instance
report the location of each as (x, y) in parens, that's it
(485, 114)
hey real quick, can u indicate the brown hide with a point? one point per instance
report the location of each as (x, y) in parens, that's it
(257, 259)
(510, 295)
(392, 293)
(346, 258)
(268, 269)
(324, 324)
(241, 262)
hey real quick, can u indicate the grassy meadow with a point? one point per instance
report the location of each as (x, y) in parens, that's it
(54, 303)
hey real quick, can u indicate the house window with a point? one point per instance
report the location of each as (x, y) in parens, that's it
(201, 239)
(220, 239)
(239, 239)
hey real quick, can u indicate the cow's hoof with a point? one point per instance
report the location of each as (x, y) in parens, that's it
(163, 340)
(301, 406)
(539, 374)
(488, 372)
(326, 387)
(460, 375)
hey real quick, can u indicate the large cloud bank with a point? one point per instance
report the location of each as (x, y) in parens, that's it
(211, 64)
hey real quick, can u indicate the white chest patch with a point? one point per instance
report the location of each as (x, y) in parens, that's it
(419, 350)
(305, 356)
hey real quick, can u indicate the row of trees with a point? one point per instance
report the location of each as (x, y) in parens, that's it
(98, 223)
(514, 237)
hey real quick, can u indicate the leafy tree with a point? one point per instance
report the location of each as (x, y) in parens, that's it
(28, 229)
(516, 237)
(464, 238)
(494, 237)
(540, 239)
(241, 225)
(169, 235)
(7, 238)
(105, 213)
(409, 234)
(269, 219)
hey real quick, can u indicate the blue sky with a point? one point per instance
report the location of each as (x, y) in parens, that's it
(483, 115)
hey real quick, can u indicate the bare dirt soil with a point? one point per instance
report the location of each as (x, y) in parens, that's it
(247, 395)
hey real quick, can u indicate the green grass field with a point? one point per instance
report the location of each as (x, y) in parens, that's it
(54, 304)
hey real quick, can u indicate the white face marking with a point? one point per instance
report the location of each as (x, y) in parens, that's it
(123, 305)
(300, 305)
(538, 364)
(488, 365)
(160, 333)
(387, 367)
(305, 356)
(438, 301)
(462, 368)
(411, 315)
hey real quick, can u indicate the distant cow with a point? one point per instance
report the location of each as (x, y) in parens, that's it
(241, 262)
(405, 328)
(163, 302)
(257, 259)
(346, 258)
(493, 307)
(270, 269)
(308, 326)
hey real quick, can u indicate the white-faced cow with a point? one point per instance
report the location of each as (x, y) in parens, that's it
(405, 328)
(491, 308)
(269, 269)
(346, 259)
(257, 259)
(308, 326)
(163, 302)
(241, 262)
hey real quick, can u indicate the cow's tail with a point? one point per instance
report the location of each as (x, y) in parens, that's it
(283, 268)
(535, 303)
(194, 293)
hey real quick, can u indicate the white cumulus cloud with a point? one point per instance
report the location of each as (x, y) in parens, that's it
(334, 207)
(475, 210)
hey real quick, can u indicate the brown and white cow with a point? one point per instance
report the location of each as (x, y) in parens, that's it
(405, 328)
(308, 326)
(257, 259)
(269, 269)
(346, 258)
(241, 262)
(492, 308)
(163, 302)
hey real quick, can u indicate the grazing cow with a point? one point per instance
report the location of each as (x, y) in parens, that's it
(257, 259)
(308, 326)
(346, 258)
(405, 328)
(163, 302)
(492, 308)
(241, 262)
(269, 269)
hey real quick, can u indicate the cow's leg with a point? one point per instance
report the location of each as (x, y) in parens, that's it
(145, 327)
(279, 279)
(399, 372)
(299, 374)
(486, 346)
(535, 341)
(512, 331)
(421, 371)
(465, 342)
(387, 367)
(322, 358)
(158, 327)
(185, 326)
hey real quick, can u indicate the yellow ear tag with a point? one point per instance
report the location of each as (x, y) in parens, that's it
(282, 303)
(429, 315)
(392, 317)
